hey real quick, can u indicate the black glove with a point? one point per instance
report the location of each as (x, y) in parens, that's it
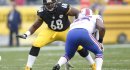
(24, 36)
(102, 47)
(100, 40)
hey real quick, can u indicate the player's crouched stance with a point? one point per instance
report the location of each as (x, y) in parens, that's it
(81, 34)
(55, 15)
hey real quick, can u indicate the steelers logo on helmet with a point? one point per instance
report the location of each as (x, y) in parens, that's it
(49, 4)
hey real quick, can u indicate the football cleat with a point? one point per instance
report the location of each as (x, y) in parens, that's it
(56, 67)
(27, 68)
(93, 66)
(68, 66)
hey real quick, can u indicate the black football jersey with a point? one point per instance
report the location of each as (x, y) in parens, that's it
(57, 19)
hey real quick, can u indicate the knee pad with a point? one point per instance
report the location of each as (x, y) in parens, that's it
(34, 51)
(83, 52)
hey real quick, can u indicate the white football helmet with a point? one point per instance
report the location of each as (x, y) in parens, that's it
(85, 12)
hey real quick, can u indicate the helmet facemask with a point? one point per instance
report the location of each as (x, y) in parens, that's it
(50, 5)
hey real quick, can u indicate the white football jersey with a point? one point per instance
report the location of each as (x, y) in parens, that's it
(87, 22)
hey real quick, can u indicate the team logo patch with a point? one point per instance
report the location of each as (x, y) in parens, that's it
(53, 17)
(60, 16)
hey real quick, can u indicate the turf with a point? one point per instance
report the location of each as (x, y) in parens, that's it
(114, 59)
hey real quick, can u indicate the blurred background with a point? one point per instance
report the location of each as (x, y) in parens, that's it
(116, 15)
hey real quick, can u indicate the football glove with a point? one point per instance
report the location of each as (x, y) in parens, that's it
(24, 36)
(102, 47)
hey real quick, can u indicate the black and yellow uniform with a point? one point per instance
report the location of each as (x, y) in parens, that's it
(57, 25)
(57, 19)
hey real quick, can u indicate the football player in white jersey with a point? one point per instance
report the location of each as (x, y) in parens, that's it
(55, 15)
(80, 33)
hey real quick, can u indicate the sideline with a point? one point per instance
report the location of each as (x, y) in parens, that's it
(57, 47)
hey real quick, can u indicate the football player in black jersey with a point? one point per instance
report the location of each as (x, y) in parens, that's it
(55, 15)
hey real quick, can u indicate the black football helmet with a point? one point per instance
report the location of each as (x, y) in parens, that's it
(49, 4)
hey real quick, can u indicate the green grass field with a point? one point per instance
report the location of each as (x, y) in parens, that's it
(115, 58)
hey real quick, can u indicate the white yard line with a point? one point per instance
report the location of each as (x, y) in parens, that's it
(118, 46)
(58, 47)
(28, 48)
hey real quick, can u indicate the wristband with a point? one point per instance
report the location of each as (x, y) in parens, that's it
(25, 35)
(28, 33)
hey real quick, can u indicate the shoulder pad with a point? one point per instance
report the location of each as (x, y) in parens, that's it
(41, 9)
(64, 5)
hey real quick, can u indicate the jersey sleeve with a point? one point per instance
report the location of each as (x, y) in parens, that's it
(65, 7)
(40, 12)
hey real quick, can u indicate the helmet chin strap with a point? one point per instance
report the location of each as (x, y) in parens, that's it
(50, 9)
